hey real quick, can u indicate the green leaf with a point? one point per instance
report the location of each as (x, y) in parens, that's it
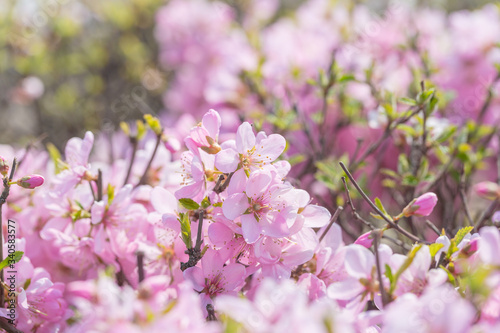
(408, 130)
(434, 248)
(388, 273)
(403, 165)
(16, 256)
(205, 203)
(378, 203)
(462, 233)
(405, 265)
(189, 203)
(408, 101)
(410, 180)
(111, 193)
(186, 230)
(153, 123)
(55, 156)
(346, 78)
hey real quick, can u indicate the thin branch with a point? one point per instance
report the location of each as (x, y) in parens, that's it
(99, 185)
(3, 199)
(8, 327)
(433, 227)
(140, 265)
(376, 209)
(142, 181)
(376, 242)
(332, 221)
(486, 215)
(199, 239)
(354, 212)
(133, 141)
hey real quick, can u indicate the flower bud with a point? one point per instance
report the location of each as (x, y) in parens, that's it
(365, 240)
(421, 206)
(30, 182)
(4, 167)
(488, 190)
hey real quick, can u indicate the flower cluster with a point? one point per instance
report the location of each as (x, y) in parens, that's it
(229, 242)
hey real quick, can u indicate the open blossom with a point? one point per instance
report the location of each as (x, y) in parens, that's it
(248, 151)
(421, 206)
(206, 134)
(261, 208)
(214, 278)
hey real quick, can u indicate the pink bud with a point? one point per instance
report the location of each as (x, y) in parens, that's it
(31, 181)
(4, 167)
(473, 245)
(421, 206)
(365, 240)
(488, 190)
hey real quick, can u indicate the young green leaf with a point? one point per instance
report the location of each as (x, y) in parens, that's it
(15, 257)
(189, 204)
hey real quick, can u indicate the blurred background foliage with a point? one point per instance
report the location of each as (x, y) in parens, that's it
(67, 66)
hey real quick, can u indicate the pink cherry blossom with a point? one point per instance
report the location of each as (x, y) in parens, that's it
(250, 152)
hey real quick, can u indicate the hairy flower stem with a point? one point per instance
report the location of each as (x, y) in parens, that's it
(379, 212)
(144, 177)
(3, 199)
(133, 141)
(332, 221)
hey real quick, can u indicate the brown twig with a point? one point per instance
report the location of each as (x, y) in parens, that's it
(332, 221)
(133, 141)
(8, 327)
(144, 177)
(376, 242)
(376, 209)
(3, 199)
(140, 265)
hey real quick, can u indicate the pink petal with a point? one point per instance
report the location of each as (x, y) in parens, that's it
(238, 182)
(190, 191)
(250, 228)
(274, 225)
(211, 121)
(211, 263)
(195, 276)
(227, 160)
(245, 139)
(316, 216)
(97, 211)
(489, 246)
(359, 261)
(257, 184)
(234, 275)
(235, 206)
(163, 201)
(271, 148)
(345, 290)
(220, 234)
